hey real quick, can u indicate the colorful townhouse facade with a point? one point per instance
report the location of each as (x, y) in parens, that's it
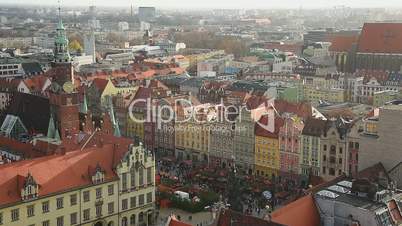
(267, 154)
(310, 155)
(289, 145)
(110, 185)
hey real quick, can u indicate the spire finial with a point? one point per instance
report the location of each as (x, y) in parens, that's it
(59, 9)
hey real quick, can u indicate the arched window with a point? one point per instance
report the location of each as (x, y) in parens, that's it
(110, 223)
(132, 220)
(141, 217)
(124, 221)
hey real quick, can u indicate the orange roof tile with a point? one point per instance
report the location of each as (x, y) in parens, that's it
(381, 38)
(100, 83)
(302, 212)
(68, 171)
(342, 43)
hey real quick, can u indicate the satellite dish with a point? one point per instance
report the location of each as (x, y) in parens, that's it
(68, 87)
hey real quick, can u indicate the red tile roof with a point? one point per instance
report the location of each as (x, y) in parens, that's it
(174, 222)
(302, 110)
(229, 217)
(100, 83)
(381, 38)
(342, 43)
(259, 131)
(68, 171)
(302, 212)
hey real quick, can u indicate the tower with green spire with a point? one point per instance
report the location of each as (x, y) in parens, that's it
(61, 53)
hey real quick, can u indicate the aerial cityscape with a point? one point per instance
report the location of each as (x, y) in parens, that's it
(200, 113)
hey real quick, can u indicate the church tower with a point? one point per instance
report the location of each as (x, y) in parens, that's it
(63, 96)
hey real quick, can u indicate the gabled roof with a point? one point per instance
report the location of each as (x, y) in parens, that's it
(314, 127)
(68, 171)
(260, 131)
(32, 68)
(100, 83)
(381, 38)
(302, 212)
(34, 111)
(36, 83)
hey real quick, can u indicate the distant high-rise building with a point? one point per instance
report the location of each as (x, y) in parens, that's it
(89, 45)
(146, 13)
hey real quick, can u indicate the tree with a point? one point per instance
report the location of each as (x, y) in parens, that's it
(75, 46)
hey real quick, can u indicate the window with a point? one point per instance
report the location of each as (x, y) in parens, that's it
(15, 214)
(86, 196)
(73, 218)
(333, 150)
(149, 175)
(324, 170)
(149, 197)
(340, 150)
(325, 147)
(60, 221)
(332, 159)
(59, 203)
(73, 199)
(357, 157)
(124, 204)
(141, 200)
(86, 215)
(110, 207)
(133, 202)
(98, 209)
(124, 181)
(30, 211)
(110, 189)
(350, 144)
(132, 220)
(324, 158)
(340, 160)
(132, 179)
(141, 176)
(332, 171)
(339, 172)
(357, 145)
(98, 193)
(46, 223)
(45, 207)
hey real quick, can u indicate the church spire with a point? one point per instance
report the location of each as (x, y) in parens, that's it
(84, 105)
(61, 53)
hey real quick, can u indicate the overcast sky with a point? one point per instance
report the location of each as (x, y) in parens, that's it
(257, 4)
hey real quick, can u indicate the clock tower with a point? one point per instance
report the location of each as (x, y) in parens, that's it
(63, 97)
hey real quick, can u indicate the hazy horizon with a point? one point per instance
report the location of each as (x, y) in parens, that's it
(222, 4)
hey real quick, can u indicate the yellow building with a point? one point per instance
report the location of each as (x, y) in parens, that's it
(191, 139)
(192, 136)
(137, 113)
(101, 91)
(314, 94)
(267, 155)
(108, 185)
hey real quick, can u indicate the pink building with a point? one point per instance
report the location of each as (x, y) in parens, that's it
(289, 145)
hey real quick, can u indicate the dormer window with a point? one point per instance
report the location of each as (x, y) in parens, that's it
(30, 189)
(99, 175)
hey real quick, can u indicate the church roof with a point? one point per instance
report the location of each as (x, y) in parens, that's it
(381, 38)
